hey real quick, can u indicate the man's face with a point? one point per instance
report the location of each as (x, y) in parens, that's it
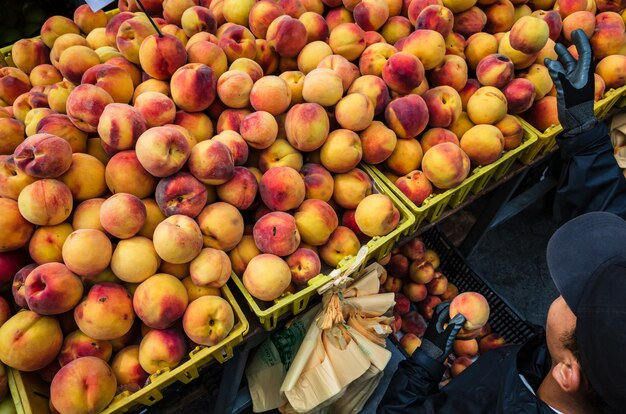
(561, 320)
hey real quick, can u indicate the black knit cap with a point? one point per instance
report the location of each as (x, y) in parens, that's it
(587, 261)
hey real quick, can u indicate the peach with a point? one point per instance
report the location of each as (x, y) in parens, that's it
(127, 370)
(567, 7)
(392, 284)
(529, 34)
(156, 108)
(152, 85)
(121, 125)
(135, 259)
(471, 86)
(338, 15)
(407, 116)
(61, 126)
(85, 104)
(130, 35)
(177, 239)
(315, 220)
(282, 188)
(44, 202)
(248, 66)
(470, 21)
(56, 26)
(197, 19)
(233, 88)
(27, 54)
(280, 154)
(181, 193)
(491, 341)
(33, 117)
(413, 9)
(276, 233)
(347, 71)
(106, 312)
(13, 83)
(191, 78)
(162, 151)
(43, 156)
(75, 60)
(435, 17)
(512, 132)
(473, 306)
(221, 225)
(318, 182)
(27, 101)
(432, 257)
(270, 94)
(160, 349)
(520, 94)
(160, 300)
(446, 165)
(406, 157)
(599, 87)
(124, 174)
(495, 70)
(122, 215)
(311, 55)
(415, 186)
(241, 255)
(398, 266)
(78, 345)
(612, 70)
(27, 332)
(371, 14)
(194, 292)
(307, 126)
(608, 40)
(413, 323)
(540, 77)
(44, 75)
(261, 14)
(351, 188)
(295, 81)
(153, 217)
(209, 54)
(410, 342)
(266, 276)
(459, 365)
(88, 20)
(426, 308)
(304, 265)
(435, 136)
(87, 215)
(378, 142)
(198, 124)
(421, 271)
(58, 94)
(375, 57)
(415, 292)
(236, 144)
(237, 41)
(478, 46)
(403, 72)
(12, 179)
(316, 26)
(543, 114)
(483, 144)
(451, 292)
(208, 320)
(114, 80)
(161, 56)
(87, 252)
(241, 190)
(553, 19)
(51, 289)
(345, 142)
(347, 40)
(11, 135)
(396, 28)
(211, 268)
(444, 106)
(500, 15)
(85, 177)
(322, 86)
(431, 56)
(520, 60)
(237, 11)
(211, 162)
(354, 112)
(455, 45)
(582, 19)
(376, 215)
(487, 105)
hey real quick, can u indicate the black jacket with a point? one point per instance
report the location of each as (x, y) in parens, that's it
(590, 178)
(590, 181)
(491, 385)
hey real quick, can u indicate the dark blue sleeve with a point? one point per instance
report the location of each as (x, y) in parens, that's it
(415, 380)
(590, 179)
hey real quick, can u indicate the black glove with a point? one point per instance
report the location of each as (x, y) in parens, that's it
(575, 85)
(437, 341)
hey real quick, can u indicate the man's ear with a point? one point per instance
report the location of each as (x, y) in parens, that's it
(568, 375)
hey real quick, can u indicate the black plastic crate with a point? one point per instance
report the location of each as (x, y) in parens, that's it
(503, 318)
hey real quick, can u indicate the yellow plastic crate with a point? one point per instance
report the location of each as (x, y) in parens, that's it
(31, 394)
(378, 247)
(432, 208)
(546, 140)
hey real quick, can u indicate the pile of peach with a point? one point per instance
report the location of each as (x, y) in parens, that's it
(413, 275)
